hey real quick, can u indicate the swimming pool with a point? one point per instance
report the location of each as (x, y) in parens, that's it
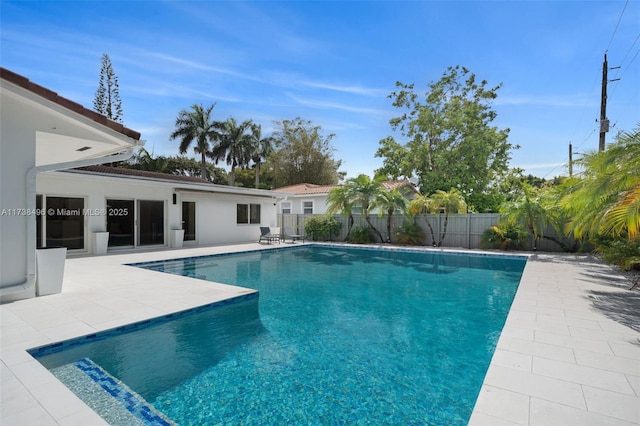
(340, 335)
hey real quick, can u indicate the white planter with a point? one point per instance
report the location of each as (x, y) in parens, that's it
(100, 242)
(177, 237)
(50, 270)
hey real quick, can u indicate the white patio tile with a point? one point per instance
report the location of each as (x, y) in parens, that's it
(550, 327)
(481, 419)
(603, 336)
(31, 416)
(543, 350)
(630, 349)
(503, 404)
(615, 382)
(538, 386)
(608, 362)
(634, 381)
(546, 413)
(513, 360)
(613, 404)
(573, 342)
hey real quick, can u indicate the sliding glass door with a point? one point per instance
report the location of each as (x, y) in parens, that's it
(150, 222)
(189, 220)
(120, 223)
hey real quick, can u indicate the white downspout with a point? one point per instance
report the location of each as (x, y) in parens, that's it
(30, 278)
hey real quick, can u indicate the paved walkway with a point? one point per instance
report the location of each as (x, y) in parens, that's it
(569, 353)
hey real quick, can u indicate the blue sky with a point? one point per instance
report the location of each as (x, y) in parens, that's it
(334, 63)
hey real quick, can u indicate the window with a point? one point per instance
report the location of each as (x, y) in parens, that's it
(307, 207)
(248, 213)
(286, 207)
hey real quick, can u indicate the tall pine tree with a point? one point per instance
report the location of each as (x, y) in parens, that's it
(107, 100)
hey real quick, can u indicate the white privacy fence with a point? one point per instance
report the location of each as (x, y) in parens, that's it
(463, 230)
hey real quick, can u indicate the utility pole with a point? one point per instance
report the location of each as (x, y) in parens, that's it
(604, 121)
(570, 160)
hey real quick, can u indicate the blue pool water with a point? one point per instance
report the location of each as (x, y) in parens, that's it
(339, 336)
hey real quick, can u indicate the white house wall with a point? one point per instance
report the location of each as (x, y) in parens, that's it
(297, 203)
(215, 212)
(18, 148)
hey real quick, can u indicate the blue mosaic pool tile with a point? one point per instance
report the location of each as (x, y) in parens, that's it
(133, 402)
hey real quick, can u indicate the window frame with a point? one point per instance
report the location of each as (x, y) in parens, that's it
(251, 212)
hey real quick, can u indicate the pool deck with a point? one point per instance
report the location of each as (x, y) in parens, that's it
(569, 353)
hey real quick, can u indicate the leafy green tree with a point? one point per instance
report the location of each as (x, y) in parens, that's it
(340, 200)
(107, 98)
(364, 192)
(186, 166)
(260, 149)
(302, 155)
(388, 201)
(234, 145)
(196, 125)
(451, 140)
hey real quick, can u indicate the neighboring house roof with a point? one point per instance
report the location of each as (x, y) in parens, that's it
(43, 92)
(312, 189)
(307, 189)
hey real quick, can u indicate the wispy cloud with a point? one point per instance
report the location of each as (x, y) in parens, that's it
(336, 105)
(570, 100)
(357, 90)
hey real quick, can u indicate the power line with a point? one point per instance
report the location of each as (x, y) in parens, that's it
(617, 25)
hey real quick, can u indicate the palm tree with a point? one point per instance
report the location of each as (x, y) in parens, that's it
(340, 200)
(422, 204)
(606, 200)
(364, 191)
(389, 201)
(196, 125)
(233, 146)
(260, 149)
(448, 202)
(528, 211)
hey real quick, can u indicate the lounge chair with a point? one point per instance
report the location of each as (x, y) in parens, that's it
(290, 233)
(267, 236)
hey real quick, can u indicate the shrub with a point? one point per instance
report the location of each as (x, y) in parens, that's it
(409, 234)
(621, 252)
(322, 227)
(360, 235)
(505, 238)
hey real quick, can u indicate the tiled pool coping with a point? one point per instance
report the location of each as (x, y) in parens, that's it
(559, 360)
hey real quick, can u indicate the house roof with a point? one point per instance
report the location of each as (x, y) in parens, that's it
(312, 189)
(180, 183)
(121, 171)
(52, 96)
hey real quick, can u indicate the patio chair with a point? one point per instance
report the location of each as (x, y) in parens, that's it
(290, 233)
(267, 236)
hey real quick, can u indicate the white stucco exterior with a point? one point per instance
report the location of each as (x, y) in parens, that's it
(44, 138)
(216, 205)
(40, 131)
